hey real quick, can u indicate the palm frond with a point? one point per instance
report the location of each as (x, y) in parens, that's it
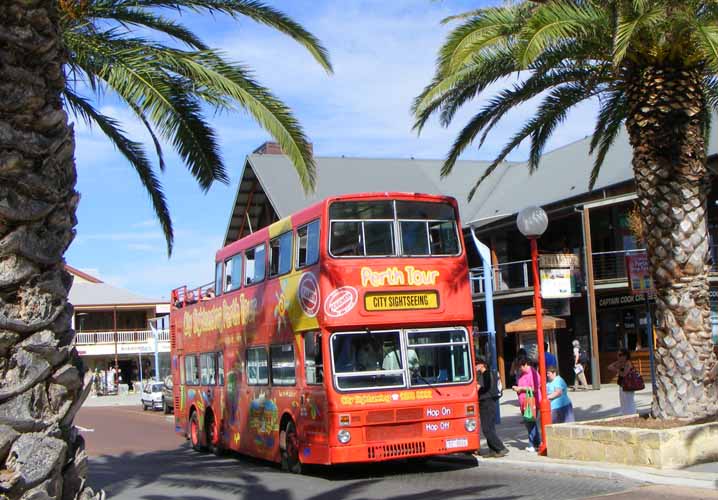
(643, 17)
(169, 102)
(491, 29)
(554, 22)
(133, 153)
(255, 10)
(613, 113)
(547, 117)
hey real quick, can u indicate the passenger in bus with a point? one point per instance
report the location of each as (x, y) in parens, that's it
(392, 361)
(368, 357)
(209, 294)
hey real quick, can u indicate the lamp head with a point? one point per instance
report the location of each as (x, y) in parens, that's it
(532, 222)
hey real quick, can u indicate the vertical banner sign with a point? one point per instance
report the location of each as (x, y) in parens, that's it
(639, 274)
(640, 282)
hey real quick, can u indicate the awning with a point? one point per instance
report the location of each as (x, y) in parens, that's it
(527, 322)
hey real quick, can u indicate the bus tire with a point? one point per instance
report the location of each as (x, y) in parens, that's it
(194, 432)
(212, 432)
(290, 453)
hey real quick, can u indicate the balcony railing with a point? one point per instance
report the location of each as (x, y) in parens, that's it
(123, 337)
(517, 276)
(506, 277)
(611, 265)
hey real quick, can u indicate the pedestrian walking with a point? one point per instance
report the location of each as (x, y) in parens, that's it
(529, 381)
(580, 361)
(622, 366)
(489, 395)
(557, 393)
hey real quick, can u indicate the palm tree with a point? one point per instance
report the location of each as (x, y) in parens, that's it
(652, 65)
(52, 52)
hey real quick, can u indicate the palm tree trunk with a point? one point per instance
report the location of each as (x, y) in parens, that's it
(665, 127)
(41, 454)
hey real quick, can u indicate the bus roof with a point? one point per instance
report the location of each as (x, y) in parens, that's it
(314, 211)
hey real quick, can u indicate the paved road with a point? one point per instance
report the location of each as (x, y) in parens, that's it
(135, 455)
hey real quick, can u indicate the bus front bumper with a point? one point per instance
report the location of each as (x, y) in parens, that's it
(390, 450)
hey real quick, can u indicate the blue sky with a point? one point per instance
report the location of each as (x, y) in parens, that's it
(383, 54)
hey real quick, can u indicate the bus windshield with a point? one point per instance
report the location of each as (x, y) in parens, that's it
(391, 228)
(398, 358)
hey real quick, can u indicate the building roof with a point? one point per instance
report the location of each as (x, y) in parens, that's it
(88, 290)
(564, 173)
(271, 177)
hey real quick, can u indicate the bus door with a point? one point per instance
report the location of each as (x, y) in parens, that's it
(312, 421)
(259, 424)
(211, 393)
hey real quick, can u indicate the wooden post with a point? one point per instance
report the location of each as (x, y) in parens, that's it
(591, 299)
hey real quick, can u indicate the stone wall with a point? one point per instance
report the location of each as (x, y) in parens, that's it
(667, 448)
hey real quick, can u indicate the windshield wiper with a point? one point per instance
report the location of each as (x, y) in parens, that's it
(421, 377)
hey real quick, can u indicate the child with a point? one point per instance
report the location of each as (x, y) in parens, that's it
(557, 393)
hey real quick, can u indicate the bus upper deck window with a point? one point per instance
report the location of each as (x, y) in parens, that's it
(254, 265)
(218, 279)
(280, 255)
(308, 244)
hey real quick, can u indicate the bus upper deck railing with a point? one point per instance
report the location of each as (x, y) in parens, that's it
(183, 296)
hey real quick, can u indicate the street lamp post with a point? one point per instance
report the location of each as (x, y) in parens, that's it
(532, 222)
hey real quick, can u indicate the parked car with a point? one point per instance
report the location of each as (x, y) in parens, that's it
(167, 396)
(152, 396)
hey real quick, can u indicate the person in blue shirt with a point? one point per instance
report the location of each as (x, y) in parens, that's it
(550, 358)
(557, 393)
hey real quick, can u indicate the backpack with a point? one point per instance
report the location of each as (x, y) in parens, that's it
(582, 357)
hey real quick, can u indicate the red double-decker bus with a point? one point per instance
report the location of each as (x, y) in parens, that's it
(339, 334)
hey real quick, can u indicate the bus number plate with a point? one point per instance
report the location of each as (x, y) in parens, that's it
(457, 443)
(401, 300)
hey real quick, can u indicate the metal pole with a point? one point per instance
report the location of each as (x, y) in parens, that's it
(544, 406)
(153, 328)
(650, 345)
(117, 373)
(139, 356)
(485, 255)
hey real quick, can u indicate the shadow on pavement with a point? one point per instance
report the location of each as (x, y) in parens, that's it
(237, 476)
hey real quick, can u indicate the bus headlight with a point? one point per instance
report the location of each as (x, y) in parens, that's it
(470, 424)
(344, 436)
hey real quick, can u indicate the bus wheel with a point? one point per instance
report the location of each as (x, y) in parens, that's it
(212, 434)
(194, 431)
(290, 453)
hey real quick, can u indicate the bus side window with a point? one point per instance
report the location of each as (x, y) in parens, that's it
(191, 369)
(218, 279)
(280, 254)
(220, 368)
(308, 244)
(254, 265)
(257, 370)
(313, 366)
(283, 367)
(208, 368)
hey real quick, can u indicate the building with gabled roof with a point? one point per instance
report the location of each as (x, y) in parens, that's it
(591, 225)
(112, 328)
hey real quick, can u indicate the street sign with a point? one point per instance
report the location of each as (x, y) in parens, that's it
(639, 273)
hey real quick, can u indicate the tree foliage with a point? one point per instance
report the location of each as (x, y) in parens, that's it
(168, 77)
(564, 52)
